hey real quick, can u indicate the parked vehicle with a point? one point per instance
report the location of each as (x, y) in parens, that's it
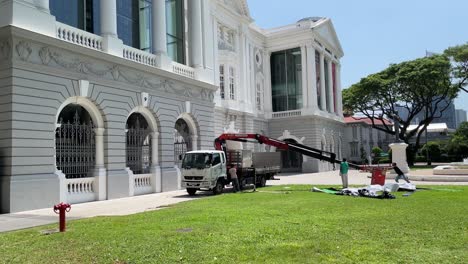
(207, 169)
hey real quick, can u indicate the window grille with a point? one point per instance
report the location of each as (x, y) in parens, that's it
(232, 87)
(75, 148)
(221, 81)
(259, 96)
(138, 151)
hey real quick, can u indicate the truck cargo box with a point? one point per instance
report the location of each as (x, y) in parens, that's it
(266, 159)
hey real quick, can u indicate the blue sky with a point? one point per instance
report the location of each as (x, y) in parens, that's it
(375, 33)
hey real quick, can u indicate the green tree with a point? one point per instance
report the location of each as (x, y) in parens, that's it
(459, 57)
(421, 85)
(376, 151)
(458, 143)
(433, 150)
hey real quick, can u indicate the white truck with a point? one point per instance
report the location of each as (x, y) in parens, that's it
(207, 169)
(204, 170)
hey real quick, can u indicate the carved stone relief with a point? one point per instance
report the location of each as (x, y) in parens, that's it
(57, 58)
(24, 50)
(5, 49)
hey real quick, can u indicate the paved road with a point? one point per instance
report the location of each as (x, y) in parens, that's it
(332, 178)
(137, 204)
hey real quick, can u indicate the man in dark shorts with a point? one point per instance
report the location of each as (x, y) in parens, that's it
(399, 173)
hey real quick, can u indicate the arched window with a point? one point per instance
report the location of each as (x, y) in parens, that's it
(138, 150)
(182, 139)
(290, 161)
(75, 149)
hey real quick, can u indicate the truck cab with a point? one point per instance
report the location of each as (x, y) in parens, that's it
(204, 170)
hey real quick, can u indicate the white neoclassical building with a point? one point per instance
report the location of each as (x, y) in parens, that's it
(99, 97)
(283, 82)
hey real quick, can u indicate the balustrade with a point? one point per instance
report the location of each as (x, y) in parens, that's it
(183, 70)
(287, 114)
(139, 56)
(78, 36)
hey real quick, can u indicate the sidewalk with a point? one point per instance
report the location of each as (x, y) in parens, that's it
(138, 204)
(123, 206)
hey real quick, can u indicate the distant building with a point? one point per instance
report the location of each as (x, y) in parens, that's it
(360, 137)
(460, 117)
(447, 116)
(435, 132)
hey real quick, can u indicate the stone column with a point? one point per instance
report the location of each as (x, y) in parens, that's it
(108, 18)
(31, 15)
(194, 142)
(110, 42)
(399, 156)
(268, 94)
(154, 149)
(312, 77)
(156, 169)
(209, 36)
(99, 141)
(196, 34)
(305, 95)
(253, 82)
(331, 101)
(42, 5)
(159, 27)
(339, 97)
(323, 94)
(100, 170)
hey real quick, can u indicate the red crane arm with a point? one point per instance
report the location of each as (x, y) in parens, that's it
(244, 138)
(220, 144)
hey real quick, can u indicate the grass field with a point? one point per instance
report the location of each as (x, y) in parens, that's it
(275, 225)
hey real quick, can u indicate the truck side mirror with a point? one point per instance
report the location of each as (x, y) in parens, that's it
(180, 157)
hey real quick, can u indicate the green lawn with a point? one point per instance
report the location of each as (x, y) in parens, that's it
(275, 225)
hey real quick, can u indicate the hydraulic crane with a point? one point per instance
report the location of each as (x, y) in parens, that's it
(220, 144)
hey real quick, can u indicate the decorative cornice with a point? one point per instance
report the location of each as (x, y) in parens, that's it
(35, 53)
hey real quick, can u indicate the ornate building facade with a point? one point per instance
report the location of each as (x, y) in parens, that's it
(98, 98)
(283, 82)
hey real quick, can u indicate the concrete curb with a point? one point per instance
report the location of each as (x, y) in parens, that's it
(432, 178)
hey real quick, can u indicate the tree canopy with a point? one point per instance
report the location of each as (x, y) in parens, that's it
(420, 85)
(459, 56)
(458, 144)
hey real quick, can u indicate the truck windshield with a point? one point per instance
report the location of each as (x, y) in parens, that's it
(197, 160)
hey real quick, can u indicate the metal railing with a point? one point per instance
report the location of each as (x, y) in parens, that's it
(75, 148)
(138, 149)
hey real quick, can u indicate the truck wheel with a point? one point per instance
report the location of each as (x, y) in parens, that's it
(263, 181)
(191, 191)
(219, 187)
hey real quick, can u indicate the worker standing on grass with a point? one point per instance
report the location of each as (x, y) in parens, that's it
(344, 167)
(233, 174)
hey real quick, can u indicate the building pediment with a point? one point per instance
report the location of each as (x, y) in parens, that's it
(239, 7)
(326, 31)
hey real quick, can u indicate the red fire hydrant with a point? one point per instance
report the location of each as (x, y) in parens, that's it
(61, 209)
